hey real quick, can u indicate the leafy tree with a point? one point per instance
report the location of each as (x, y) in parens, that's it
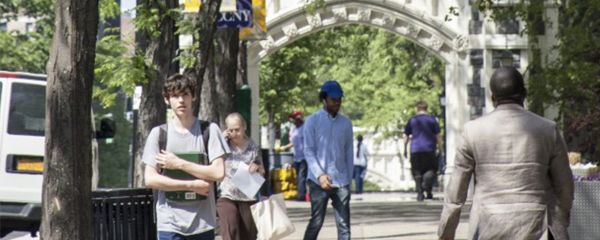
(67, 210)
(27, 51)
(157, 21)
(570, 81)
(219, 84)
(286, 81)
(115, 156)
(383, 76)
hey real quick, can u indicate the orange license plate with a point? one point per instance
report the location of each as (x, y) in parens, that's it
(30, 165)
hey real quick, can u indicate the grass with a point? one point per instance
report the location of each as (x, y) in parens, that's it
(367, 187)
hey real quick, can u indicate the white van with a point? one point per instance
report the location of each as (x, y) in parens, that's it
(22, 129)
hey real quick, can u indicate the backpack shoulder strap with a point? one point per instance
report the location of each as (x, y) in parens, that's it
(162, 137)
(205, 129)
(162, 144)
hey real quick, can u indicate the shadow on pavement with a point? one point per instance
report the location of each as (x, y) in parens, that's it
(370, 213)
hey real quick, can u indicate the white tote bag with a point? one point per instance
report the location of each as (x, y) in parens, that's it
(271, 218)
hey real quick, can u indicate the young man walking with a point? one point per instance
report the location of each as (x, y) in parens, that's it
(423, 131)
(184, 219)
(328, 149)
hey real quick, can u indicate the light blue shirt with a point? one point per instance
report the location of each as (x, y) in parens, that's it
(298, 143)
(328, 147)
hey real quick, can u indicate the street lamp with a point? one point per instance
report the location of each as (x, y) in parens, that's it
(506, 57)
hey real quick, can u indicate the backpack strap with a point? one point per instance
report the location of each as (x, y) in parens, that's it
(162, 136)
(205, 129)
(162, 145)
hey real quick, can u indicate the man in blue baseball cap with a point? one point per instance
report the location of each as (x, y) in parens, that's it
(329, 153)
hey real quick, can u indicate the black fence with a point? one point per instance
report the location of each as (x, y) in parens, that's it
(124, 214)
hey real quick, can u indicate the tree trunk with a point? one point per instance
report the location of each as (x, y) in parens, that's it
(208, 93)
(152, 112)
(207, 25)
(218, 89)
(66, 194)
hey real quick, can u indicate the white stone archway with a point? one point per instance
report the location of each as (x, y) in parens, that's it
(429, 31)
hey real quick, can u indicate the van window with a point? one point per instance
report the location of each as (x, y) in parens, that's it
(27, 110)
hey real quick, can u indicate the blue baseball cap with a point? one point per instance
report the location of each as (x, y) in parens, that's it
(333, 89)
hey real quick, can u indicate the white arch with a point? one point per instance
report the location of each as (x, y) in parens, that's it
(430, 32)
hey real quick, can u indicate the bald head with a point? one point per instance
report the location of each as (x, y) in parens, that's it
(507, 86)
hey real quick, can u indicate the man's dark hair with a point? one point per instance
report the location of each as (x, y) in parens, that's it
(507, 85)
(422, 106)
(322, 96)
(359, 138)
(178, 83)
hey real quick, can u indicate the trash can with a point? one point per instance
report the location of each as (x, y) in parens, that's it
(123, 214)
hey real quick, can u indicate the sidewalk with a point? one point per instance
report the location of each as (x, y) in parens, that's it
(388, 216)
(394, 215)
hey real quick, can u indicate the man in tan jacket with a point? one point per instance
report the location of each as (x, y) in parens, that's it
(523, 183)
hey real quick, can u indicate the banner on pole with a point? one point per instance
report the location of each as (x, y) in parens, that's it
(242, 18)
(192, 5)
(258, 31)
(226, 6)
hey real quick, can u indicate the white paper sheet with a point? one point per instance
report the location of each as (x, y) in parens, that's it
(248, 183)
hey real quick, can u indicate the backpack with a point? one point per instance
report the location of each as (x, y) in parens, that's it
(162, 136)
(162, 143)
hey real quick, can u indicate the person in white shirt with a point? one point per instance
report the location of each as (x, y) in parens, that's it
(360, 164)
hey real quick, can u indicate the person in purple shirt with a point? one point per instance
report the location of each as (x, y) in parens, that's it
(423, 131)
(329, 153)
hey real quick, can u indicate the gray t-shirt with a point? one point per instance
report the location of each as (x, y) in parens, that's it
(191, 217)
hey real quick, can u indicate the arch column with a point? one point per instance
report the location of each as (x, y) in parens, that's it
(457, 109)
(253, 71)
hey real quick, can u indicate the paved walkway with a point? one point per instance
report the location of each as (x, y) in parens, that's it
(381, 216)
(387, 216)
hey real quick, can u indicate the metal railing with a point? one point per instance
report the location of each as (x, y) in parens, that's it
(124, 214)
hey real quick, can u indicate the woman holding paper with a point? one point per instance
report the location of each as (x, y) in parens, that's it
(233, 205)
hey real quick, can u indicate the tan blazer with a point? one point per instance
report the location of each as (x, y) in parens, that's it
(523, 182)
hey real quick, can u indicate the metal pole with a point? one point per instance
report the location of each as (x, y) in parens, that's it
(133, 144)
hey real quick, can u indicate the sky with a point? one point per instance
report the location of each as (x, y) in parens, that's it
(127, 4)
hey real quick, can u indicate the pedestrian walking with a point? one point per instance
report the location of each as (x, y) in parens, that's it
(297, 143)
(328, 148)
(233, 206)
(360, 164)
(190, 217)
(523, 185)
(423, 132)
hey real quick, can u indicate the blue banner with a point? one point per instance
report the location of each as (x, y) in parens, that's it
(242, 18)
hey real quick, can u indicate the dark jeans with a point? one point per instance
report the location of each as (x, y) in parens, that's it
(340, 200)
(358, 180)
(209, 235)
(424, 167)
(302, 171)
